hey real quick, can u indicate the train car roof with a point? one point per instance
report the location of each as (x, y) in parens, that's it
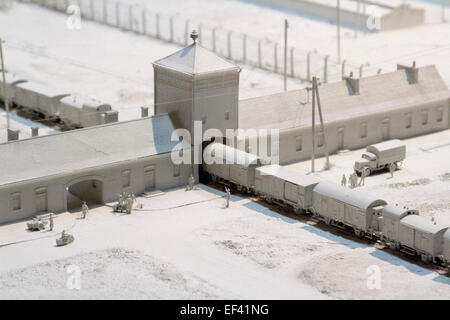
(348, 196)
(80, 102)
(396, 211)
(43, 89)
(423, 224)
(287, 174)
(229, 155)
(13, 79)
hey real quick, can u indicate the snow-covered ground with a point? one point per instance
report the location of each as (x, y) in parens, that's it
(98, 61)
(188, 245)
(23, 125)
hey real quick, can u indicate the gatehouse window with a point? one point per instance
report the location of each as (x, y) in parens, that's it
(126, 178)
(16, 201)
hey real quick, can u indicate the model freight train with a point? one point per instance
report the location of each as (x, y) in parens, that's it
(398, 227)
(72, 110)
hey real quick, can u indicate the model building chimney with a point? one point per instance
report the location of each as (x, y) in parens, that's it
(144, 112)
(412, 73)
(13, 135)
(34, 131)
(352, 84)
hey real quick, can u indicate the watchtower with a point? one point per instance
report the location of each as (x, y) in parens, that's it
(197, 85)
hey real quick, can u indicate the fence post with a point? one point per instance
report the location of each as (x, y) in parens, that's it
(361, 71)
(292, 62)
(171, 29)
(308, 66)
(92, 9)
(186, 32)
(118, 14)
(244, 48)
(157, 26)
(105, 13)
(259, 54)
(214, 39)
(229, 44)
(275, 57)
(130, 17)
(144, 20)
(325, 70)
(343, 69)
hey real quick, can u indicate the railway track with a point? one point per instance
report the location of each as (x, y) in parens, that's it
(345, 233)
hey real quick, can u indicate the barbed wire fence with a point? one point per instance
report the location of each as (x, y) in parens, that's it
(238, 47)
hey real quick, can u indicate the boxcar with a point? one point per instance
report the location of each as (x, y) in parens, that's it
(421, 236)
(38, 97)
(11, 82)
(343, 206)
(285, 186)
(230, 166)
(390, 224)
(446, 248)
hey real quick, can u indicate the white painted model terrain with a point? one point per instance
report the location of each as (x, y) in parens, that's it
(187, 245)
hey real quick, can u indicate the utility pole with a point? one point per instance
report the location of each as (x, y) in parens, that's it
(327, 164)
(313, 139)
(338, 22)
(5, 98)
(286, 25)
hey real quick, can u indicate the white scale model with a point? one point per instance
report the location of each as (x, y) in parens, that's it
(381, 156)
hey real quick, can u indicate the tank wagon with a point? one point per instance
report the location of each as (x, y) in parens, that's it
(230, 166)
(400, 228)
(286, 187)
(348, 208)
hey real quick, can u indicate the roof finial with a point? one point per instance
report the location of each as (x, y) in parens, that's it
(194, 35)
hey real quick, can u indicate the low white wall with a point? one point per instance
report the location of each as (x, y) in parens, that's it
(111, 178)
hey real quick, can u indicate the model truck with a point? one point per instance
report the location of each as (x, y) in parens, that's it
(381, 156)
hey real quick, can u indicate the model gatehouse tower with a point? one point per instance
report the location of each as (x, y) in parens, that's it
(195, 84)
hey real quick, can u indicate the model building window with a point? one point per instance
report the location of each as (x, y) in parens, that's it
(320, 138)
(298, 143)
(16, 201)
(176, 170)
(126, 178)
(227, 115)
(408, 120)
(440, 114)
(424, 117)
(363, 130)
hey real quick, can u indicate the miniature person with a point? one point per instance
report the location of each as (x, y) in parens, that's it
(84, 209)
(363, 178)
(63, 233)
(51, 222)
(227, 190)
(344, 181)
(392, 169)
(191, 182)
(353, 180)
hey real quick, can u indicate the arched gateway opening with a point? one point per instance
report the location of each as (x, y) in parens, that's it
(89, 189)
